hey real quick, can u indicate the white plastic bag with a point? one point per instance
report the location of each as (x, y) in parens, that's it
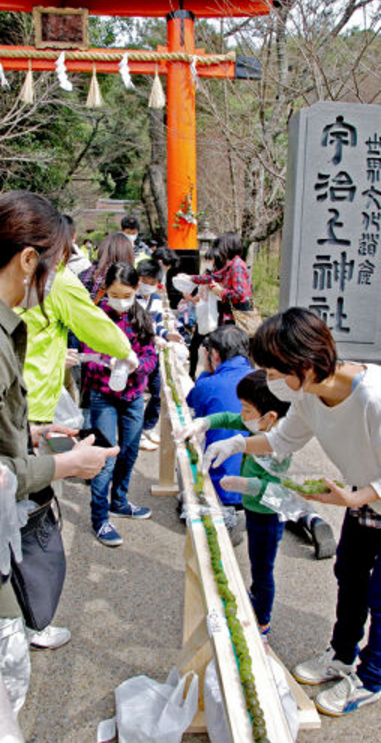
(183, 283)
(214, 710)
(149, 712)
(9, 729)
(10, 536)
(290, 707)
(287, 504)
(207, 314)
(67, 413)
(14, 661)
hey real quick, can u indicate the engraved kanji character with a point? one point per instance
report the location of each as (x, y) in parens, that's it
(332, 239)
(321, 306)
(340, 134)
(368, 243)
(333, 318)
(366, 271)
(373, 169)
(322, 273)
(373, 194)
(343, 270)
(372, 220)
(374, 145)
(340, 316)
(342, 188)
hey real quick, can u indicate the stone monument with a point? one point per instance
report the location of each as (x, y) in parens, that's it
(331, 247)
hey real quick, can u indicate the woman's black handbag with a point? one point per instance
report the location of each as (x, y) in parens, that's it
(38, 580)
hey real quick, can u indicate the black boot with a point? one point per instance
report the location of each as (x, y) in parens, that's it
(322, 537)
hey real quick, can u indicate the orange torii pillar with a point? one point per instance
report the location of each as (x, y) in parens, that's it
(181, 133)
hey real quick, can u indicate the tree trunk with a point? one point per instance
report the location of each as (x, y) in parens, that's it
(154, 192)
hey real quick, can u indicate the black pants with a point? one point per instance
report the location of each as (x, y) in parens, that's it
(196, 342)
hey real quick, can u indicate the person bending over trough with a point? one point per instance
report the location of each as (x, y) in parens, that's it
(339, 402)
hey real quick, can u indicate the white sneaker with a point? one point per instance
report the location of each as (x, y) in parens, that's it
(49, 638)
(146, 444)
(347, 696)
(152, 436)
(321, 669)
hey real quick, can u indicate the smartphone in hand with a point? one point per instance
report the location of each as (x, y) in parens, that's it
(59, 443)
(100, 438)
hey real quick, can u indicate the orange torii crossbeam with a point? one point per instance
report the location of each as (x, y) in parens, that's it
(174, 61)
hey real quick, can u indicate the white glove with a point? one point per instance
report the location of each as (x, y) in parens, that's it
(9, 522)
(132, 361)
(195, 429)
(160, 342)
(245, 485)
(221, 450)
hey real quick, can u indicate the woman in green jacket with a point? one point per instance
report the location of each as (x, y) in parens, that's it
(68, 307)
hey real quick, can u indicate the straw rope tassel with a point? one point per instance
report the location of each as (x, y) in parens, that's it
(27, 92)
(94, 98)
(157, 97)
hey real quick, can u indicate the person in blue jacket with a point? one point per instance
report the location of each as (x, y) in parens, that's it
(226, 363)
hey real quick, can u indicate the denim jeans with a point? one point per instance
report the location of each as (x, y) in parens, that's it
(264, 532)
(358, 573)
(112, 415)
(152, 411)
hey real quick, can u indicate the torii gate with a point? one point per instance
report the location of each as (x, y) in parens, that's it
(174, 60)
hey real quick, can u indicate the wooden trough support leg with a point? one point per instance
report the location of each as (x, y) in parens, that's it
(167, 484)
(196, 651)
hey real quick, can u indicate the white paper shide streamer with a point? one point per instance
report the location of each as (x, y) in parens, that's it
(3, 80)
(125, 72)
(157, 97)
(63, 79)
(193, 70)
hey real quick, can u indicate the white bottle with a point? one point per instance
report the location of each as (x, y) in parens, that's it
(119, 375)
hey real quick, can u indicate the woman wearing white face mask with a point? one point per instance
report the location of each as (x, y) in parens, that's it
(340, 404)
(33, 240)
(113, 410)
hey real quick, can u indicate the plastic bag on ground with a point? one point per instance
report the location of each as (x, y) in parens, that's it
(207, 314)
(67, 413)
(14, 661)
(290, 707)
(150, 712)
(9, 729)
(214, 710)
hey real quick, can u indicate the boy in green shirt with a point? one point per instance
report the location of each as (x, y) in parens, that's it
(260, 411)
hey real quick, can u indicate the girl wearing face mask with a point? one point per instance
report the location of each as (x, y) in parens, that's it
(340, 404)
(114, 248)
(122, 411)
(260, 412)
(149, 298)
